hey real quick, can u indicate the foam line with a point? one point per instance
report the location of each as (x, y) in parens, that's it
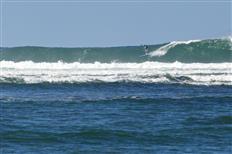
(151, 72)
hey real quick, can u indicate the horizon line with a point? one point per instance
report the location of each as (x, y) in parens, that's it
(113, 46)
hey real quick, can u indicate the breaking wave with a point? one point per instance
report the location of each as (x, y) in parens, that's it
(164, 49)
(193, 51)
(147, 72)
(201, 62)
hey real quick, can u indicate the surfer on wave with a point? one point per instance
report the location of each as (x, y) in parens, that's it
(145, 49)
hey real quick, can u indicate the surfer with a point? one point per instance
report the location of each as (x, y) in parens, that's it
(145, 49)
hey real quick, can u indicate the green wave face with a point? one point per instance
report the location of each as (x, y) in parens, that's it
(204, 51)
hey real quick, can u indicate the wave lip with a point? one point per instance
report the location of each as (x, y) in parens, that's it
(146, 72)
(164, 49)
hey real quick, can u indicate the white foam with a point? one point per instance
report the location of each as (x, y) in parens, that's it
(152, 72)
(164, 49)
(230, 38)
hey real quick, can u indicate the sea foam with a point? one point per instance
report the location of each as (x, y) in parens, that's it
(149, 72)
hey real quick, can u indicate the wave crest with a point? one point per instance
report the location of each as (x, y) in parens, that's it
(164, 49)
(193, 51)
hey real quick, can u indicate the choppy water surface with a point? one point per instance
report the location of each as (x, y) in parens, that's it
(115, 117)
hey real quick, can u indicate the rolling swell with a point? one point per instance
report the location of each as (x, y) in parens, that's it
(203, 51)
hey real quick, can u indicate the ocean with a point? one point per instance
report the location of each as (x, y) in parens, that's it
(174, 97)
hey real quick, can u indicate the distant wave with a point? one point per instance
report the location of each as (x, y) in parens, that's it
(193, 51)
(146, 72)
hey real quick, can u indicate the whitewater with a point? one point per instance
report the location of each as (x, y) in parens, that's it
(148, 72)
(198, 62)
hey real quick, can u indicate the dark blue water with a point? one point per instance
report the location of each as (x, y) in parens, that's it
(115, 118)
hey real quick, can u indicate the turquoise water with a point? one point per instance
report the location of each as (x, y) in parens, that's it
(173, 98)
(205, 51)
